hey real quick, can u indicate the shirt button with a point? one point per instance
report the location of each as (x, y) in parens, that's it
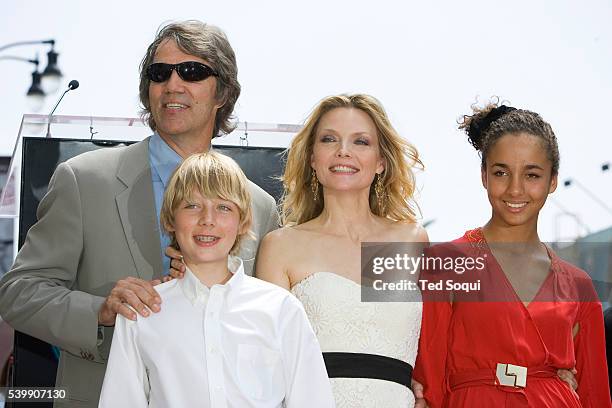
(212, 350)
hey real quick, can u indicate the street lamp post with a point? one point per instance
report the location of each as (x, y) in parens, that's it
(35, 94)
(572, 181)
(43, 83)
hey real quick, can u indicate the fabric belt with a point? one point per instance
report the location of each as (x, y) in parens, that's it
(488, 376)
(360, 365)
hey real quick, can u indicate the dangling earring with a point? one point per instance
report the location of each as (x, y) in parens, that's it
(314, 185)
(379, 189)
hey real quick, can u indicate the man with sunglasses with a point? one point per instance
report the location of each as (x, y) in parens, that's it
(97, 248)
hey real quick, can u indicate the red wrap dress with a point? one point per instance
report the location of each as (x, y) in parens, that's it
(462, 342)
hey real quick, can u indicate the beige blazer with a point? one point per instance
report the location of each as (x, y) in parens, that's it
(96, 225)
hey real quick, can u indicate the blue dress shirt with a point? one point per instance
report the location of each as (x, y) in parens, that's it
(163, 161)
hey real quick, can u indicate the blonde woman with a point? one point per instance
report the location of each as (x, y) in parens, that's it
(349, 180)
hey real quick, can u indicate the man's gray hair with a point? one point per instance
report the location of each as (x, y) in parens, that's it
(207, 42)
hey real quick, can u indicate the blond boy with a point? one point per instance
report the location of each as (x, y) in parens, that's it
(224, 339)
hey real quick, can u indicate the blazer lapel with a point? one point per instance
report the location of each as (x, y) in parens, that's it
(136, 206)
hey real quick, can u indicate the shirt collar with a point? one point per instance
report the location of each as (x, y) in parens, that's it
(164, 160)
(196, 291)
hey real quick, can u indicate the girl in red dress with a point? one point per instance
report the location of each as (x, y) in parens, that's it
(501, 345)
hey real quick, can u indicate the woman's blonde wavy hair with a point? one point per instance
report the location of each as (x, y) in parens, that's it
(400, 157)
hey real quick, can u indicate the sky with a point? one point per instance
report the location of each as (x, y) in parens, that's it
(427, 62)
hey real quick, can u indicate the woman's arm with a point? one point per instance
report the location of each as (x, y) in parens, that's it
(590, 350)
(271, 261)
(430, 366)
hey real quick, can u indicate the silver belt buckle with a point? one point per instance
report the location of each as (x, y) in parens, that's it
(511, 375)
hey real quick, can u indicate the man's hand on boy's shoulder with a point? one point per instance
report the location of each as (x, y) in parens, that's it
(134, 292)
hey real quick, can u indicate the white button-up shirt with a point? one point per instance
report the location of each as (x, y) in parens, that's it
(246, 343)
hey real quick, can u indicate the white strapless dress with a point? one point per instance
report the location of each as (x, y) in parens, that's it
(343, 323)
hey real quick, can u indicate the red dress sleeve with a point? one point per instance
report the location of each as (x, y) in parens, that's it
(430, 366)
(590, 351)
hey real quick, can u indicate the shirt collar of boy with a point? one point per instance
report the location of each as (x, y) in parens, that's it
(196, 291)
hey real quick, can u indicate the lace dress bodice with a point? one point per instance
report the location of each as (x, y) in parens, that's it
(343, 323)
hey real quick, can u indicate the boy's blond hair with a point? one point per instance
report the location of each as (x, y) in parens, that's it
(213, 175)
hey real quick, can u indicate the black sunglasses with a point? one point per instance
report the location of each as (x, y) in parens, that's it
(190, 71)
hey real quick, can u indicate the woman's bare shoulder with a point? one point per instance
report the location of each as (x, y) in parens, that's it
(406, 231)
(284, 236)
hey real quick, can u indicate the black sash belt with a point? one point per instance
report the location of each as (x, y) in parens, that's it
(359, 365)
